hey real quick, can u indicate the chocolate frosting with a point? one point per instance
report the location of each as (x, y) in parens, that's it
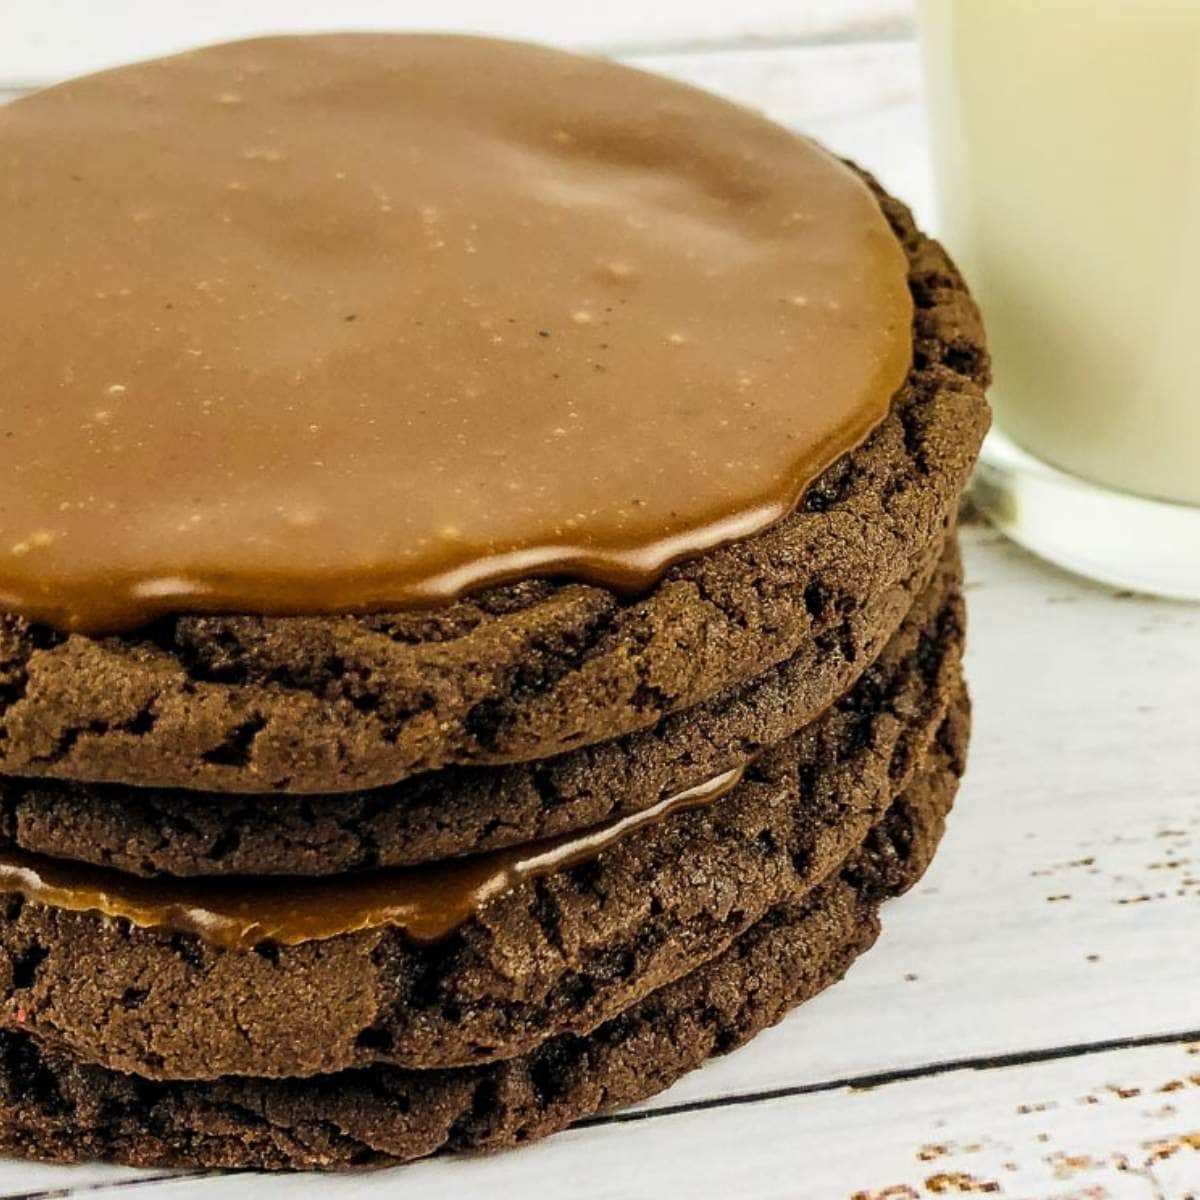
(337, 323)
(427, 902)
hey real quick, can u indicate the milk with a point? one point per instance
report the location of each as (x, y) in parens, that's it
(1067, 142)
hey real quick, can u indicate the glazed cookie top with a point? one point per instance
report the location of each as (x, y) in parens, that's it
(340, 323)
(520, 671)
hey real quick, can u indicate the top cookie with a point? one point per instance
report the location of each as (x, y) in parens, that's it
(527, 669)
(351, 323)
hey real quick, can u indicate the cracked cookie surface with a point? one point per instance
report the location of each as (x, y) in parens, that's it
(459, 810)
(556, 955)
(53, 1107)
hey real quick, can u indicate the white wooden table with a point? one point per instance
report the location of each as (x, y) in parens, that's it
(1028, 1026)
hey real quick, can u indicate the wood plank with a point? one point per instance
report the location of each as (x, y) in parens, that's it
(43, 43)
(1124, 1125)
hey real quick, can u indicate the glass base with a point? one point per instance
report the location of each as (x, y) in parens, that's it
(1143, 545)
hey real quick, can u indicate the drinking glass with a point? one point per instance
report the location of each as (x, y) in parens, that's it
(1066, 139)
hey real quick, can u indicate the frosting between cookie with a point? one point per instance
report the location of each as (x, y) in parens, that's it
(427, 902)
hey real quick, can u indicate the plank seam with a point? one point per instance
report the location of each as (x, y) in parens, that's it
(64, 1193)
(1016, 1058)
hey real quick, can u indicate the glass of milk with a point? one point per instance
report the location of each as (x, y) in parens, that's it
(1067, 145)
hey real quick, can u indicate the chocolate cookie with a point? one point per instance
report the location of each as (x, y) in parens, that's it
(319, 704)
(434, 710)
(559, 954)
(52, 1107)
(459, 810)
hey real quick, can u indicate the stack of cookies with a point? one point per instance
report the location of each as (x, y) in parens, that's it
(484, 623)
